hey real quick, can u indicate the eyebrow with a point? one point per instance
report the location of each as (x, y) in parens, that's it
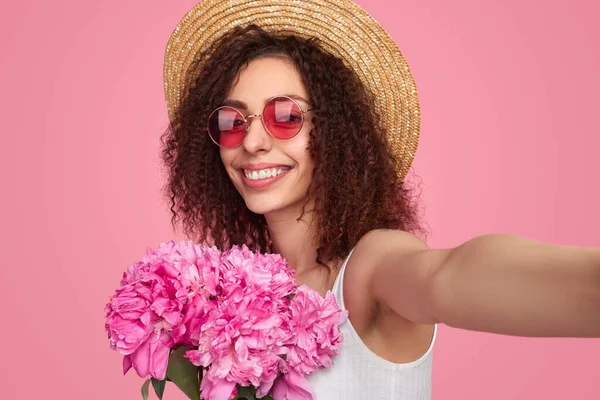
(244, 106)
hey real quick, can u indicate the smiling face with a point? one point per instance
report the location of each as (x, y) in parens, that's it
(261, 80)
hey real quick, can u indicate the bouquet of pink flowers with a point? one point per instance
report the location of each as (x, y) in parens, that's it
(222, 325)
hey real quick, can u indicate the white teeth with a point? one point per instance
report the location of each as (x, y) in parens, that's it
(264, 173)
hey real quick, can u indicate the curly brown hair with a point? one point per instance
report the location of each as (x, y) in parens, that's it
(354, 184)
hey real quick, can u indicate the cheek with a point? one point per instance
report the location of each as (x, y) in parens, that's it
(307, 164)
(226, 158)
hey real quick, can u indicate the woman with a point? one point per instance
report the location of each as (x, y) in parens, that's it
(292, 133)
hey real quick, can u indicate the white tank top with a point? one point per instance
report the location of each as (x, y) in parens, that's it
(358, 373)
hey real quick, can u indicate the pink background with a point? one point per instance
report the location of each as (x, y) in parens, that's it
(510, 138)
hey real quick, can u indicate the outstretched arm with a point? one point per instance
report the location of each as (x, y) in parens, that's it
(496, 283)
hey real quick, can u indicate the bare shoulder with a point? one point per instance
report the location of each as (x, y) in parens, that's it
(382, 241)
(376, 247)
(388, 333)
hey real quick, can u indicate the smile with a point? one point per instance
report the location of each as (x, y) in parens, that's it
(264, 173)
(263, 178)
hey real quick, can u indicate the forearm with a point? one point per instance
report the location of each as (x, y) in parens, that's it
(513, 285)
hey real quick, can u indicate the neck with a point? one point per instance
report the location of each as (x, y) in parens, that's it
(293, 238)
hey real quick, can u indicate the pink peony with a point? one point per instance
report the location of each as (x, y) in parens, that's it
(243, 339)
(140, 319)
(241, 312)
(292, 386)
(144, 317)
(219, 389)
(315, 322)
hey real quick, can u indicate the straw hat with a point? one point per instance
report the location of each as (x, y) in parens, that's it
(345, 30)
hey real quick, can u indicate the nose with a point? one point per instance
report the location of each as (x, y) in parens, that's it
(257, 138)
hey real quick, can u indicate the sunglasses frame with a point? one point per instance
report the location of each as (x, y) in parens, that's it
(247, 123)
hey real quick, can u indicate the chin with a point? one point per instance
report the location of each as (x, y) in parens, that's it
(261, 207)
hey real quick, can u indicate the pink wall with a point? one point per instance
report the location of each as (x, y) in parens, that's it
(510, 137)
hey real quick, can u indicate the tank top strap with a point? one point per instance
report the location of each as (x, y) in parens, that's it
(338, 285)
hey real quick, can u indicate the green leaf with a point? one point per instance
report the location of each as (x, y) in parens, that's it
(145, 389)
(246, 392)
(159, 387)
(184, 374)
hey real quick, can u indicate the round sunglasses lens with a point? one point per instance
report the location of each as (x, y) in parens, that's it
(226, 126)
(283, 117)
